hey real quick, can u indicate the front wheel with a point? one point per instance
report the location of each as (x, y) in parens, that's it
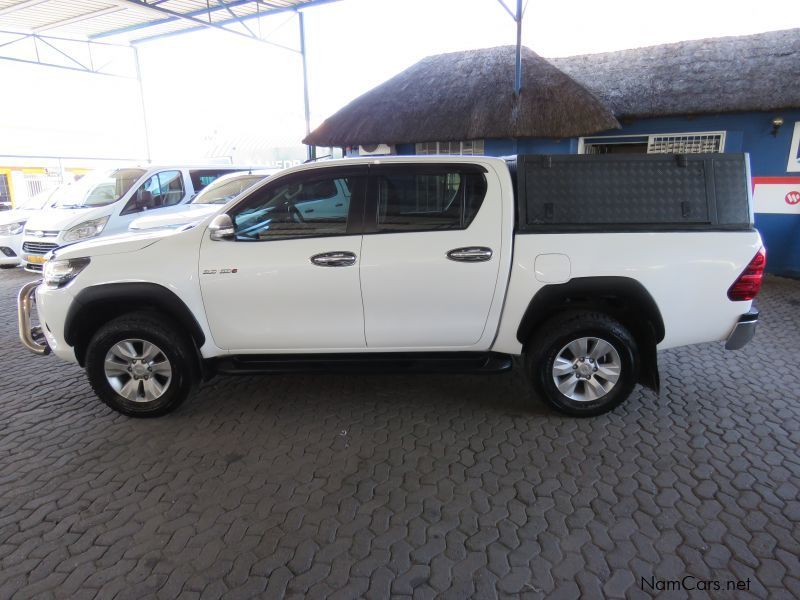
(139, 365)
(583, 363)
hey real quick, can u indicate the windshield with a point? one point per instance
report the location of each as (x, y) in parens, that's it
(222, 191)
(99, 188)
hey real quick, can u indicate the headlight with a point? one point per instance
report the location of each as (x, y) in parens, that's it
(58, 273)
(12, 228)
(87, 229)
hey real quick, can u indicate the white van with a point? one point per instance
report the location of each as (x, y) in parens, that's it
(12, 223)
(207, 202)
(105, 203)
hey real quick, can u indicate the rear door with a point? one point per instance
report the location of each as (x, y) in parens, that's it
(430, 256)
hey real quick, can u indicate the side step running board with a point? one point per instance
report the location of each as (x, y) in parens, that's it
(395, 362)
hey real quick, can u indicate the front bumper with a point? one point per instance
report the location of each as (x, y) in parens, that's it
(31, 337)
(10, 249)
(744, 331)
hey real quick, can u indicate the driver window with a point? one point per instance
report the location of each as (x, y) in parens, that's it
(160, 190)
(302, 208)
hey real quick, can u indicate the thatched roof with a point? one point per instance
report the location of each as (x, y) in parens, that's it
(464, 96)
(731, 74)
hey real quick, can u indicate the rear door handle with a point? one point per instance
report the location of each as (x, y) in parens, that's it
(470, 254)
(334, 259)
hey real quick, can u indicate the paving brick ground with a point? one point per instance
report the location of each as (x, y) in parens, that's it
(421, 486)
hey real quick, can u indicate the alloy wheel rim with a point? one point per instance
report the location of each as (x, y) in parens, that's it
(587, 369)
(138, 370)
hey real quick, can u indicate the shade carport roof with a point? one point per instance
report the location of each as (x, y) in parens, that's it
(138, 20)
(468, 95)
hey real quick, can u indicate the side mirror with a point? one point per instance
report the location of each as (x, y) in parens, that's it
(221, 228)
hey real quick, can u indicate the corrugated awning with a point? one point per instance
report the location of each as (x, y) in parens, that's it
(135, 21)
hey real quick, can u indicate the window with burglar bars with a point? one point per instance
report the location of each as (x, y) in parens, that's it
(37, 183)
(672, 143)
(5, 194)
(465, 148)
(693, 143)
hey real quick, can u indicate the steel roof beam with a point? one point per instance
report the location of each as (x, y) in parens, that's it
(267, 13)
(235, 16)
(160, 9)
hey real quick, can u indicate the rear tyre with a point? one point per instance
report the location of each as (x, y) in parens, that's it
(583, 363)
(141, 365)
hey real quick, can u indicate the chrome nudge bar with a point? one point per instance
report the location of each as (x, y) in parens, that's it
(31, 337)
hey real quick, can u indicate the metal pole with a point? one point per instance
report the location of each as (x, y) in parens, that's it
(311, 149)
(518, 63)
(141, 99)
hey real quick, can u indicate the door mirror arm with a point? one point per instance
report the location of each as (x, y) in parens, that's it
(221, 228)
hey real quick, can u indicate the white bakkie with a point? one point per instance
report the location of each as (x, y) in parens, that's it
(415, 263)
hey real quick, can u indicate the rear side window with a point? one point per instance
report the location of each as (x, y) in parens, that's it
(202, 177)
(426, 201)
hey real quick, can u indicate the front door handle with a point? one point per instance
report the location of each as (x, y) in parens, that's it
(470, 254)
(334, 259)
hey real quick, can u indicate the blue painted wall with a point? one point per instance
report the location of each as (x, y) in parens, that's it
(744, 132)
(769, 155)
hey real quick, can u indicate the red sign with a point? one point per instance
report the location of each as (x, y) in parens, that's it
(793, 198)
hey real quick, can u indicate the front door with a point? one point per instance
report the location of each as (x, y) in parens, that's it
(430, 257)
(288, 281)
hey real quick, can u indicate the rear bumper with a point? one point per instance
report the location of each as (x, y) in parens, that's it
(744, 331)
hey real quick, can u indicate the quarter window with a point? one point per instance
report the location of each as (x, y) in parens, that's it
(299, 208)
(411, 201)
(202, 177)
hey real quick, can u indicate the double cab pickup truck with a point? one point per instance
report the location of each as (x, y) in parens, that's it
(575, 268)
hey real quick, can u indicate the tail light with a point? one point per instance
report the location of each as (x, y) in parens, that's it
(748, 284)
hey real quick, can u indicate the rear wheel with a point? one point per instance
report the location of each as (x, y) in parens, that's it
(583, 363)
(139, 365)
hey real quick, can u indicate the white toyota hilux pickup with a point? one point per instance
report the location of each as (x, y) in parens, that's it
(582, 266)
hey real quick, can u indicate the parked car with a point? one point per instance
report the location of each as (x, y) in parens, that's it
(12, 223)
(105, 202)
(581, 265)
(207, 202)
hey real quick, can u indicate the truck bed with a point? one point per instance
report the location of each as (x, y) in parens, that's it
(651, 192)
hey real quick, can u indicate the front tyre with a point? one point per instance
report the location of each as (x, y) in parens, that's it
(140, 365)
(583, 363)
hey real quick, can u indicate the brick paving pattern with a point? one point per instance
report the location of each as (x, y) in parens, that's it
(405, 486)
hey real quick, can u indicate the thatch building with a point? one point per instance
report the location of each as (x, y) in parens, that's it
(733, 94)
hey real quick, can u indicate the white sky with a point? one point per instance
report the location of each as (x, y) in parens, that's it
(206, 87)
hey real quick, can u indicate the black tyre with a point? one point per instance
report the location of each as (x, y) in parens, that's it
(139, 364)
(582, 363)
